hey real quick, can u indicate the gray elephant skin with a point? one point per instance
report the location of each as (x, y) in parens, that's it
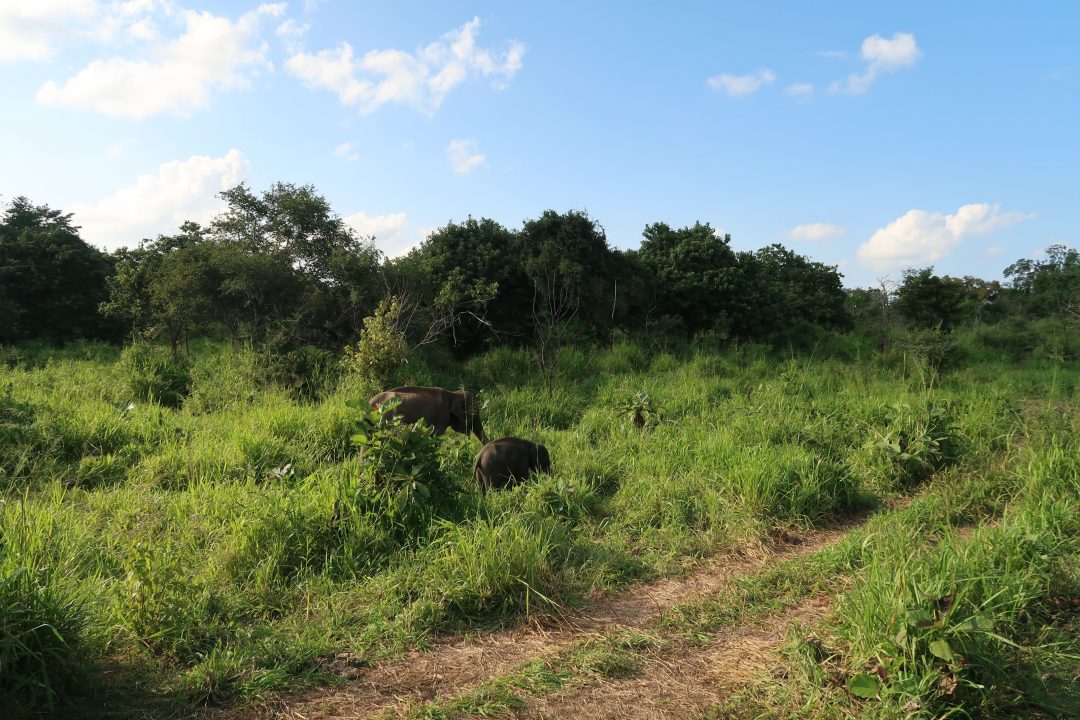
(439, 407)
(507, 461)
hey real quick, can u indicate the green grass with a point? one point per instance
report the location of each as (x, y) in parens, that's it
(201, 546)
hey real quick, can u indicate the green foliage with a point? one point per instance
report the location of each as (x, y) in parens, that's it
(694, 272)
(641, 410)
(221, 547)
(912, 443)
(932, 351)
(153, 375)
(309, 372)
(471, 280)
(927, 301)
(946, 626)
(51, 281)
(43, 617)
(382, 347)
(40, 654)
(400, 481)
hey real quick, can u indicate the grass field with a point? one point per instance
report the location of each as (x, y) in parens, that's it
(161, 559)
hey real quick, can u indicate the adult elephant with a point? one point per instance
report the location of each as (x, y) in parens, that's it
(508, 460)
(441, 408)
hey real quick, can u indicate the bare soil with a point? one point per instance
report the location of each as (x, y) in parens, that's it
(685, 681)
(458, 665)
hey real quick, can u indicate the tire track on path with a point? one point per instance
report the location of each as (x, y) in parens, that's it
(458, 665)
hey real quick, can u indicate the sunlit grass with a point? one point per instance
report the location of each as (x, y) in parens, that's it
(202, 542)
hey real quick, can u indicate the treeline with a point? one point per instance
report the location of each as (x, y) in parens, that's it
(281, 268)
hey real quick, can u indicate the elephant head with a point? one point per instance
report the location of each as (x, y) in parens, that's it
(465, 414)
(543, 460)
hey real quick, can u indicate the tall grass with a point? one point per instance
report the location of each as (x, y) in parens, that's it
(205, 542)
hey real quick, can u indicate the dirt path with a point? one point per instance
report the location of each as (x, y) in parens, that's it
(686, 680)
(458, 665)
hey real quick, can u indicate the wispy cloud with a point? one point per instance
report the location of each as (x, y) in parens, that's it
(799, 90)
(881, 55)
(920, 237)
(291, 33)
(29, 30)
(421, 80)
(464, 156)
(347, 151)
(119, 148)
(816, 232)
(158, 203)
(739, 86)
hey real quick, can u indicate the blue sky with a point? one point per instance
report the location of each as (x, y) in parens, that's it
(868, 135)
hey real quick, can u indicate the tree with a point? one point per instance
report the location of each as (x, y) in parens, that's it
(336, 273)
(130, 298)
(782, 292)
(1050, 287)
(927, 301)
(568, 263)
(695, 272)
(465, 282)
(979, 294)
(52, 280)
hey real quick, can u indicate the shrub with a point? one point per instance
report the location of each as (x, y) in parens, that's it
(400, 482)
(932, 351)
(307, 371)
(914, 442)
(382, 347)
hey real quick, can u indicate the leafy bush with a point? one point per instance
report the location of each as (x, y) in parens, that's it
(932, 351)
(400, 480)
(382, 347)
(914, 442)
(307, 371)
(641, 411)
(153, 375)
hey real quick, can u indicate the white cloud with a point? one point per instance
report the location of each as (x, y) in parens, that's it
(994, 250)
(881, 55)
(347, 151)
(181, 190)
(799, 90)
(29, 29)
(421, 79)
(291, 33)
(464, 156)
(738, 86)
(920, 237)
(212, 53)
(119, 148)
(388, 231)
(816, 232)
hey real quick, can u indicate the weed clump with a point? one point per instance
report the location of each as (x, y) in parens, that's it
(153, 375)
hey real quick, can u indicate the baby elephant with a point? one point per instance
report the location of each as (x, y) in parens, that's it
(507, 461)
